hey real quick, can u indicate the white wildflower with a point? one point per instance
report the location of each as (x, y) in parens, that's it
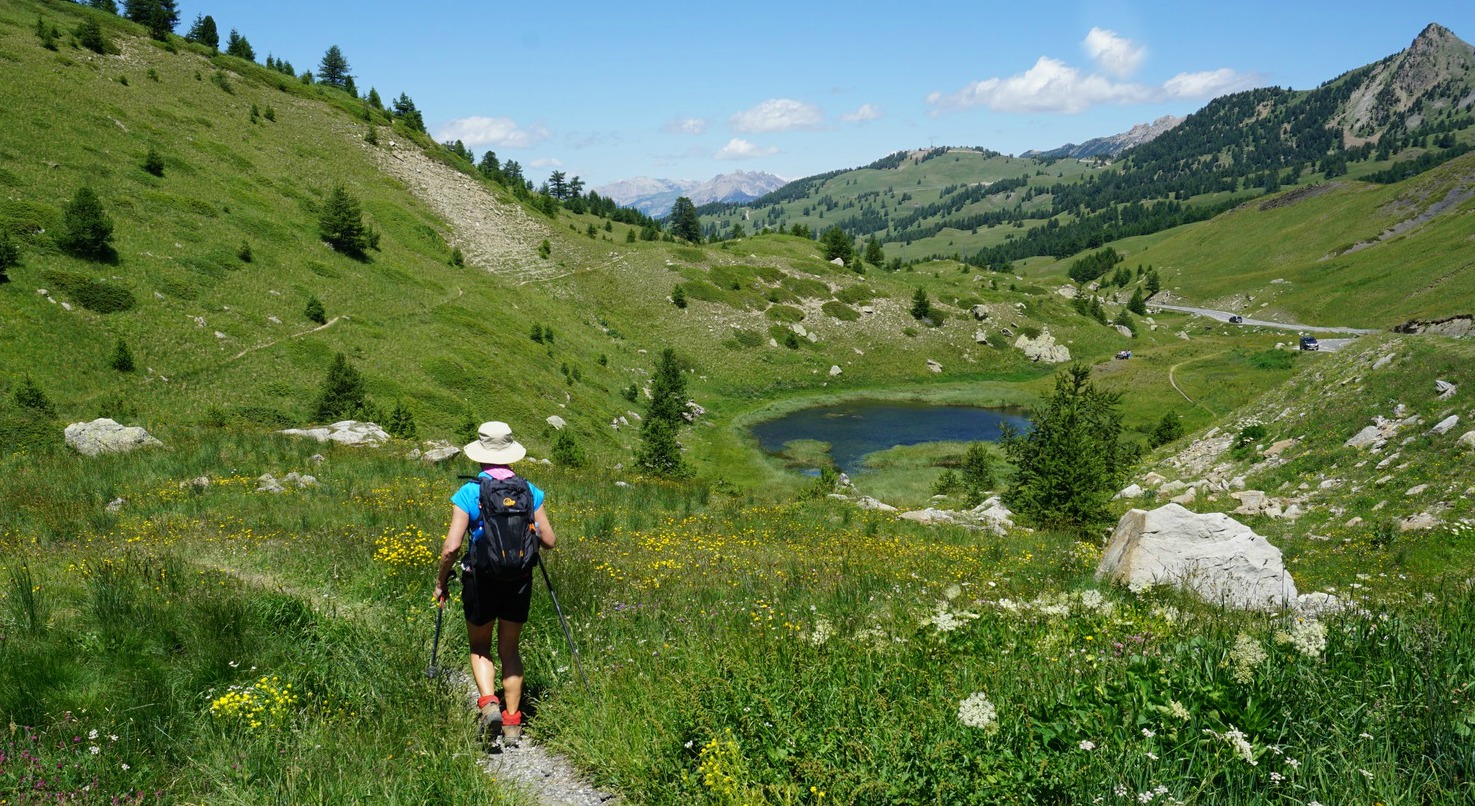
(125, 767)
(1139, 587)
(1237, 739)
(823, 631)
(1144, 797)
(952, 592)
(1087, 745)
(1121, 790)
(92, 734)
(94, 750)
(1147, 732)
(1276, 777)
(1293, 763)
(1246, 656)
(1309, 638)
(1151, 756)
(977, 712)
(1178, 710)
(1366, 774)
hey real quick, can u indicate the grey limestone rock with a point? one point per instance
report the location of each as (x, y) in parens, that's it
(107, 436)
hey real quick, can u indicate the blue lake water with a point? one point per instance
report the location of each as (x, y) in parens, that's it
(856, 429)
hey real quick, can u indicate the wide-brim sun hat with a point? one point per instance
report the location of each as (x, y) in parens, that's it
(494, 445)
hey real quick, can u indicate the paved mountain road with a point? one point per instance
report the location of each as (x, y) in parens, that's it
(1328, 345)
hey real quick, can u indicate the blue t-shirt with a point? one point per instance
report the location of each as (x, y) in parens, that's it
(468, 499)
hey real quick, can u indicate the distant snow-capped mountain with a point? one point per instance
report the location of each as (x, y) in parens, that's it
(654, 197)
(1110, 146)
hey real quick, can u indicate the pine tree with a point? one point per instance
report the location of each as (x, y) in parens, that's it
(659, 452)
(838, 245)
(236, 45)
(401, 422)
(678, 297)
(342, 224)
(122, 359)
(333, 69)
(1169, 428)
(921, 306)
(978, 474)
(90, 36)
(110, 6)
(1154, 283)
(153, 162)
(87, 229)
(374, 101)
(685, 223)
(9, 256)
(315, 311)
(875, 255)
(342, 394)
(1071, 460)
(204, 32)
(1138, 303)
(29, 396)
(567, 451)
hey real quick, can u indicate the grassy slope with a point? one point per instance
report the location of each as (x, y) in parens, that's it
(1424, 273)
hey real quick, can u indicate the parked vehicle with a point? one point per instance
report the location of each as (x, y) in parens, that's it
(1236, 319)
(1310, 343)
(1123, 355)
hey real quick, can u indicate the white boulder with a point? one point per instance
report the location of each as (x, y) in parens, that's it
(343, 432)
(1218, 558)
(1043, 349)
(1446, 424)
(107, 436)
(556, 422)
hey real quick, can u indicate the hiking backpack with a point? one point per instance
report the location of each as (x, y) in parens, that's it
(507, 547)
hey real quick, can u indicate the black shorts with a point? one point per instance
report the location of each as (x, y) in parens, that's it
(484, 598)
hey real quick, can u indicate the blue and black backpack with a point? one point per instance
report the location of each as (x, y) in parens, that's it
(504, 545)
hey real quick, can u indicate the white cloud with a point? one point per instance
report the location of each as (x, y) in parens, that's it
(686, 126)
(1208, 84)
(501, 132)
(1115, 54)
(739, 149)
(777, 115)
(864, 113)
(1052, 86)
(546, 162)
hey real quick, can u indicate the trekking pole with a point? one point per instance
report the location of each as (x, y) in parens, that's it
(561, 620)
(440, 609)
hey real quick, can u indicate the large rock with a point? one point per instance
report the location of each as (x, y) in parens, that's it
(1212, 555)
(343, 432)
(555, 422)
(1043, 349)
(107, 436)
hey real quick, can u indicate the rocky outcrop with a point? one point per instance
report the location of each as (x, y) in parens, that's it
(344, 432)
(434, 451)
(991, 515)
(107, 436)
(1211, 555)
(1043, 349)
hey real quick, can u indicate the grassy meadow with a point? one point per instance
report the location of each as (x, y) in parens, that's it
(747, 639)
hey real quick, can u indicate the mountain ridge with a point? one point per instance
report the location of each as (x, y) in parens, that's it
(654, 196)
(1110, 145)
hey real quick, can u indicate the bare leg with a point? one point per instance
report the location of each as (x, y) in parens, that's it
(483, 668)
(508, 634)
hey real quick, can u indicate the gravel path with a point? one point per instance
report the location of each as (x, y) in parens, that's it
(1223, 316)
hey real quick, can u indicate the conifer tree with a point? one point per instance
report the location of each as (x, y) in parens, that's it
(1169, 428)
(29, 396)
(921, 306)
(678, 297)
(1138, 303)
(875, 255)
(401, 422)
(685, 223)
(342, 394)
(978, 474)
(1070, 462)
(315, 311)
(333, 69)
(122, 359)
(837, 244)
(9, 256)
(203, 31)
(153, 162)
(110, 6)
(659, 452)
(342, 224)
(90, 36)
(236, 45)
(87, 231)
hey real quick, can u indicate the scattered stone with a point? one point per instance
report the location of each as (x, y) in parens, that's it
(1153, 480)
(435, 451)
(343, 432)
(835, 370)
(1277, 448)
(1130, 491)
(556, 421)
(980, 336)
(927, 516)
(115, 505)
(1383, 361)
(867, 502)
(1467, 439)
(1256, 502)
(317, 458)
(1043, 349)
(197, 484)
(1354, 522)
(1172, 487)
(1376, 435)
(622, 484)
(1187, 497)
(1416, 489)
(933, 366)
(267, 483)
(106, 436)
(1445, 389)
(1125, 331)
(1446, 424)
(1319, 603)
(1419, 522)
(979, 312)
(1212, 555)
(799, 330)
(1067, 291)
(300, 481)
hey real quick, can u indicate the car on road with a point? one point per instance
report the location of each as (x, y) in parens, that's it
(1236, 319)
(1310, 343)
(1123, 355)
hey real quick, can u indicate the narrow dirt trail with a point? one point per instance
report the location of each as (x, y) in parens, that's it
(275, 342)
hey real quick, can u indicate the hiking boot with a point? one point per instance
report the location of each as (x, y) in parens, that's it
(489, 724)
(511, 729)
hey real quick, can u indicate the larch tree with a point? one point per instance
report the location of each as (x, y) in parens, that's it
(685, 223)
(333, 70)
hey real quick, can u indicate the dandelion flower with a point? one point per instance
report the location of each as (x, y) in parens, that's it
(977, 712)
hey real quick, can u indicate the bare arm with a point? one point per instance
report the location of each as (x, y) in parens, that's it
(545, 529)
(450, 549)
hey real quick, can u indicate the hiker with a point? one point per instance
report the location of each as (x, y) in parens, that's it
(489, 600)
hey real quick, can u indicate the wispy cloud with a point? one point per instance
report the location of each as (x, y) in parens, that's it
(546, 162)
(501, 132)
(777, 115)
(1115, 54)
(740, 149)
(864, 113)
(686, 126)
(1052, 86)
(580, 140)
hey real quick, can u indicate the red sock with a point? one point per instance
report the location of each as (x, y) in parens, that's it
(514, 718)
(482, 702)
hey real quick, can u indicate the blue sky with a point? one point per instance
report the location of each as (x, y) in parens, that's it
(689, 90)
